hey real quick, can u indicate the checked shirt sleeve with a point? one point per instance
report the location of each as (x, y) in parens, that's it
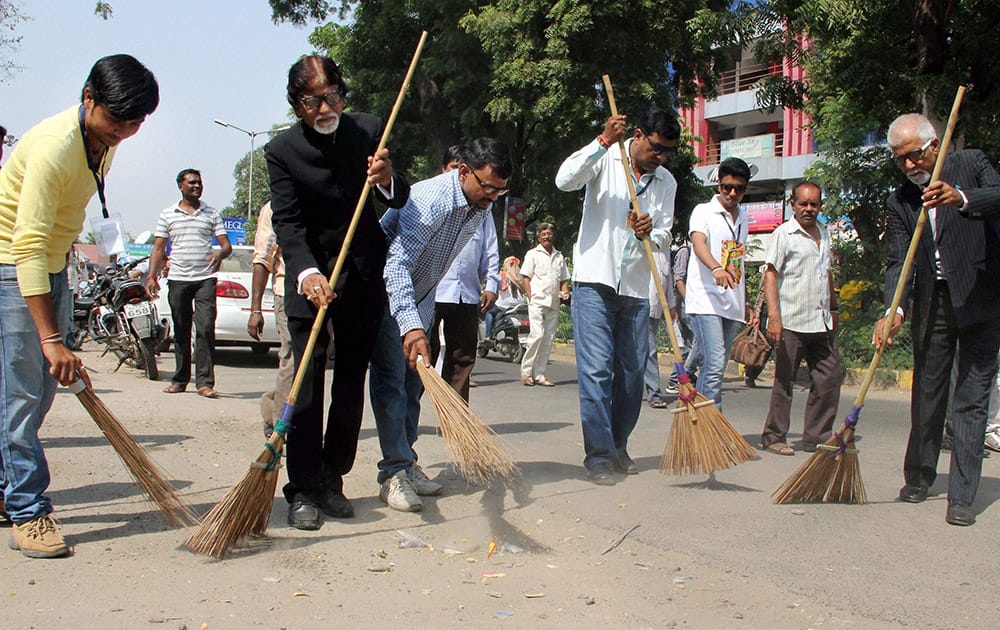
(418, 221)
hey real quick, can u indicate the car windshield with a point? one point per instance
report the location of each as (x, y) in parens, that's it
(240, 261)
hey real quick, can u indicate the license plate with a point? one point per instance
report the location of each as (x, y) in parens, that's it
(137, 310)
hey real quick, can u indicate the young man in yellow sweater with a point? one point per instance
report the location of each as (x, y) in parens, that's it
(45, 186)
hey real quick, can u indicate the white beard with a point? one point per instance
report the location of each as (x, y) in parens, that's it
(327, 127)
(919, 177)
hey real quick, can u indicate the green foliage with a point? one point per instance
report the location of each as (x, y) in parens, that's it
(103, 10)
(526, 72)
(241, 185)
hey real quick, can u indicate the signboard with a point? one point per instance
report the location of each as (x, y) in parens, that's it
(750, 147)
(139, 250)
(765, 215)
(236, 230)
(514, 219)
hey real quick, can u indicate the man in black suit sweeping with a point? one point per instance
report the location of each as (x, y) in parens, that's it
(955, 307)
(317, 170)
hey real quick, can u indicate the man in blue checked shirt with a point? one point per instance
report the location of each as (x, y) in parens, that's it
(460, 297)
(424, 238)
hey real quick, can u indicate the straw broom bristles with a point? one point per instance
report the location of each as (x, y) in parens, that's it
(473, 445)
(246, 508)
(831, 475)
(143, 470)
(701, 439)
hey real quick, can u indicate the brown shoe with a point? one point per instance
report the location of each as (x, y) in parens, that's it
(544, 382)
(173, 388)
(38, 538)
(208, 392)
(527, 380)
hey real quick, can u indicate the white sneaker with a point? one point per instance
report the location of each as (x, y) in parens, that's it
(423, 484)
(398, 492)
(992, 439)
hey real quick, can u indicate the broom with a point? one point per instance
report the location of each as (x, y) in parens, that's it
(701, 439)
(473, 445)
(246, 509)
(833, 473)
(144, 471)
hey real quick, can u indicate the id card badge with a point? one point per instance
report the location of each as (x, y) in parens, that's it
(732, 258)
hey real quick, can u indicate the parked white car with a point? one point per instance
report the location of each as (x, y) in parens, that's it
(232, 299)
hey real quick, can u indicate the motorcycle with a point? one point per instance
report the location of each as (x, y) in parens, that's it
(83, 303)
(510, 334)
(124, 318)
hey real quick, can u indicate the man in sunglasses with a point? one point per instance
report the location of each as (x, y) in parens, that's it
(716, 280)
(611, 278)
(317, 170)
(955, 305)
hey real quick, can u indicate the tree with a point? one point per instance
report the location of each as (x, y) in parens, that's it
(10, 18)
(865, 64)
(525, 72)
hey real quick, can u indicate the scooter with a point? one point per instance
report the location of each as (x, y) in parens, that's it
(510, 334)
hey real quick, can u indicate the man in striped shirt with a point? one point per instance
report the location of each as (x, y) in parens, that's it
(190, 225)
(802, 323)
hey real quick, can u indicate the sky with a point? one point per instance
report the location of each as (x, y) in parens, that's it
(212, 59)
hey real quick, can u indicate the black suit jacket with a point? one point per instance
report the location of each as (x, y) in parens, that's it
(316, 181)
(969, 243)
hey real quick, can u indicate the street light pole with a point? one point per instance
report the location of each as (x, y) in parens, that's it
(253, 136)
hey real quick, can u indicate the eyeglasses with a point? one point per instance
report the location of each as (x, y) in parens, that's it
(489, 188)
(661, 149)
(332, 98)
(912, 156)
(728, 188)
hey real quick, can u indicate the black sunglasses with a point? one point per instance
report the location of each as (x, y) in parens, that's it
(331, 98)
(728, 188)
(913, 156)
(661, 149)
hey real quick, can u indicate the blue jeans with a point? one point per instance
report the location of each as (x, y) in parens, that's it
(611, 337)
(394, 390)
(651, 375)
(26, 394)
(714, 336)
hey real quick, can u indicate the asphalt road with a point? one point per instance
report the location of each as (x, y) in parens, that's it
(708, 551)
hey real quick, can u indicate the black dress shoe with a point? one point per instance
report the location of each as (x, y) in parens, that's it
(335, 504)
(303, 513)
(625, 466)
(912, 494)
(961, 515)
(601, 475)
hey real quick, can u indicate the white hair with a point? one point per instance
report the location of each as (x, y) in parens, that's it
(907, 125)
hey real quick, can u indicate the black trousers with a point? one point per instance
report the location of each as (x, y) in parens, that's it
(193, 300)
(461, 336)
(976, 349)
(318, 460)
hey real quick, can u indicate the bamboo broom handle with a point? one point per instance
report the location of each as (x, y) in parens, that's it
(645, 241)
(911, 251)
(300, 373)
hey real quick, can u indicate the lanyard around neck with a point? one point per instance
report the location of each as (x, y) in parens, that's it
(94, 168)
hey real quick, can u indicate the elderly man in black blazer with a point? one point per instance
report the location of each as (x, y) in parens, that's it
(317, 170)
(955, 305)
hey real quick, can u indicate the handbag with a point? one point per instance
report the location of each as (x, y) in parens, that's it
(751, 347)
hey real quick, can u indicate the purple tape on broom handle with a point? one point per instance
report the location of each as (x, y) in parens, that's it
(852, 416)
(284, 422)
(683, 377)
